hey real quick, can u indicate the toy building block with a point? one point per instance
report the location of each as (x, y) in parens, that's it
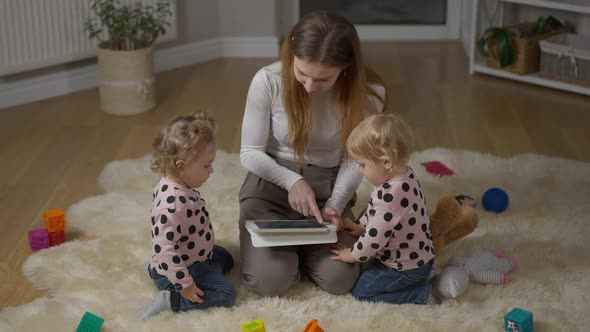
(313, 326)
(90, 323)
(56, 238)
(55, 220)
(518, 320)
(253, 326)
(38, 239)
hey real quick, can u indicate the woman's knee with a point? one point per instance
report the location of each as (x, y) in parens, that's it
(269, 282)
(336, 286)
(338, 281)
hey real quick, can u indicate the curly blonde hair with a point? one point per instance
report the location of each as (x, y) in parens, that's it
(381, 138)
(184, 138)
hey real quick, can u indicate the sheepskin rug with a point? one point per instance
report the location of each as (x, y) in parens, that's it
(546, 227)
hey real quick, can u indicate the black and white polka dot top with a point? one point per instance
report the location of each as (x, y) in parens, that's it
(181, 231)
(396, 225)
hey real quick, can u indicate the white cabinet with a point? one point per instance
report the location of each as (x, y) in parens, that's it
(487, 13)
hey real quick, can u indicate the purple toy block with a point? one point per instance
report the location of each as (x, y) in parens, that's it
(38, 239)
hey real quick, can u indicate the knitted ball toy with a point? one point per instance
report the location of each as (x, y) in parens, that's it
(495, 200)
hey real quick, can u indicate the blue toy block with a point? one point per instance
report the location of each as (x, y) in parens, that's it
(518, 320)
(90, 323)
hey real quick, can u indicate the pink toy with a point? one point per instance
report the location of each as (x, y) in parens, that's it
(437, 168)
(38, 239)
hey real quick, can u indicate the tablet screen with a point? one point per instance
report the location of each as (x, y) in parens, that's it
(288, 224)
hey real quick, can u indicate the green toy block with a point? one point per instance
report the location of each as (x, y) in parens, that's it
(253, 326)
(90, 323)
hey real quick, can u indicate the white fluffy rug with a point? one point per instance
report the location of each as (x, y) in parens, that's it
(546, 227)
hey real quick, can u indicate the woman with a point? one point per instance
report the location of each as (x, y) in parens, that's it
(299, 112)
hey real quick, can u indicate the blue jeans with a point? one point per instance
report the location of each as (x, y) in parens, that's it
(208, 276)
(379, 283)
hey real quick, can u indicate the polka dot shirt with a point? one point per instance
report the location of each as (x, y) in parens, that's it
(181, 231)
(396, 225)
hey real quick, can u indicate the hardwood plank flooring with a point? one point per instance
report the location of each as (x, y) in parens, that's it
(52, 151)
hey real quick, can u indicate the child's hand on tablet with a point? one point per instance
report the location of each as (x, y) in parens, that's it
(331, 216)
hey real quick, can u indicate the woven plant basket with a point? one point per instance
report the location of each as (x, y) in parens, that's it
(127, 83)
(527, 58)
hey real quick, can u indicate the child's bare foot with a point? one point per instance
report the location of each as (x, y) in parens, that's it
(465, 200)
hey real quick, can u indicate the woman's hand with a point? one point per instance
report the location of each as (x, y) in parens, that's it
(302, 200)
(192, 293)
(353, 228)
(342, 253)
(330, 215)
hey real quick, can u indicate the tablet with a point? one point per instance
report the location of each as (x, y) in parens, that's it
(288, 226)
(292, 239)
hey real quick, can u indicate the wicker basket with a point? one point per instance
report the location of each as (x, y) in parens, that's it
(527, 57)
(127, 84)
(566, 58)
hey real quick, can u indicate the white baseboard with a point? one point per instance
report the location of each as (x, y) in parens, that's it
(45, 86)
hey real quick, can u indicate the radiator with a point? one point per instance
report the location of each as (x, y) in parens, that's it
(41, 33)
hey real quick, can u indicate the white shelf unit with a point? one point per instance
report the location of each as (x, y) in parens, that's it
(477, 63)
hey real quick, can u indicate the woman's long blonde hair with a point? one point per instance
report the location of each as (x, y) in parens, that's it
(332, 41)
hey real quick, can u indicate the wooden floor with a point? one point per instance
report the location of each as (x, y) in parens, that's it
(52, 151)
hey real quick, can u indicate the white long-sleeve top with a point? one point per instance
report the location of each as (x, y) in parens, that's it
(265, 131)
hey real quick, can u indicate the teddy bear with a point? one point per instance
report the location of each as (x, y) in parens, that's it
(481, 266)
(451, 221)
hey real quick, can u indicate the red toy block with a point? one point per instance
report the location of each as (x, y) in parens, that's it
(38, 239)
(55, 220)
(57, 238)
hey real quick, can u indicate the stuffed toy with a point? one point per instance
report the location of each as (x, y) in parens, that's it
(482, 266)
(451, 221)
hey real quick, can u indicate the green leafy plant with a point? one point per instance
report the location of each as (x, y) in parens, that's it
(127, 27)
(504, 40)
(547, 23)
(505, 48)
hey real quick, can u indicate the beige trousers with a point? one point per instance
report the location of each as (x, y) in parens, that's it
(272, 271)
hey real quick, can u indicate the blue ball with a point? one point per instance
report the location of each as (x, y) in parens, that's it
(495, 200)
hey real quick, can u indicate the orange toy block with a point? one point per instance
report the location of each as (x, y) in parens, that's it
(57, 238)
(55, 220)
(313, 326)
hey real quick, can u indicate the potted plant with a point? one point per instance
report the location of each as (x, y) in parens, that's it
(516, 48)
(126, 35)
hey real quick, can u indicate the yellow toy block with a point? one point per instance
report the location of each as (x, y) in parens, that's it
(55, 220)
(253, 326)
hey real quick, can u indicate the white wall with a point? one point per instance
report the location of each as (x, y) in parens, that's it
(197, 20)
(206, 30)
(247, 18)
(466, 22)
